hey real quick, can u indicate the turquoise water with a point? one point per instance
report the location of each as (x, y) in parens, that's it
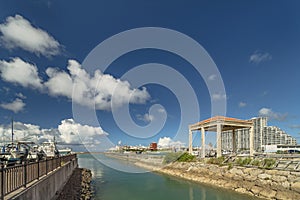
(110, 184)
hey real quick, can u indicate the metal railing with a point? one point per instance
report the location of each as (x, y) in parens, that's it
(18, 176)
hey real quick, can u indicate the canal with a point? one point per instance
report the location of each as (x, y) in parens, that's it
(111, 184)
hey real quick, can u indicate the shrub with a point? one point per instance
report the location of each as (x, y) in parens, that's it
(216, 161)
(255, 163)
(243, 162)
(268, 163)
(247, 161)
(230, 165)
(171, 157)
(185, 157)
(239, 161)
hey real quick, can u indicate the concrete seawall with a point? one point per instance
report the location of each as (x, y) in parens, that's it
(263, 183)
(47, 187)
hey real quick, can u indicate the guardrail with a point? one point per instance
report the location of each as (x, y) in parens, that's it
(18, 176)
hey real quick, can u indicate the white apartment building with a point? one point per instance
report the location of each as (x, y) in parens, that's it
(263, 135)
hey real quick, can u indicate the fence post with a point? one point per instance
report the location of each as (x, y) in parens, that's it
(2, 182)
(25, 173)
(46, 166)
(38, 169)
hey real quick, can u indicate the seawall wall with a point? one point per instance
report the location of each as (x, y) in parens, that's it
(268, 184)
(47, 187)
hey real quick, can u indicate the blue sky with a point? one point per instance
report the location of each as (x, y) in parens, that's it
(255, 46)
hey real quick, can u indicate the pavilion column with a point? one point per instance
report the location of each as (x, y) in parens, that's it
(219, 142)
(203, 142)
(233, 141)
(190, 141)
(251, 140)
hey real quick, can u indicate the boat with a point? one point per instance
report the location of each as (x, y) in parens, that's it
(49, 148)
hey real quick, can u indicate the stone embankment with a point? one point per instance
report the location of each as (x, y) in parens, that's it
(268, 184)
(78, 186)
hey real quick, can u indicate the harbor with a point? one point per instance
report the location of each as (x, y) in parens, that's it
(26, 169)
(149, 100)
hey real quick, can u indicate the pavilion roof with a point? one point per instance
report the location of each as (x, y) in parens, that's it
(228, 123)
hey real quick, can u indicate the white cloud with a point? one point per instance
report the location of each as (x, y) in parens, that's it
(161, 110)
(16, 106)
(217, 96)
(146, 117)
(242, 104)
(96, 90)
(212, 77)
(20, 72)
(18, 32)
(59, 83)
(20, 95)
(70, 131)
(67, 132)
(258, 57)
(22, 131)
(165, 142)
(267, 112)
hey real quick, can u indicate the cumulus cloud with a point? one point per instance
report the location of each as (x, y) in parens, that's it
(217, 96)
(99, 91)
(242, 104)
(267, 112)
(67, 132)
(96, 90)
(20, 72)
(166, 142)
(59, 83)
(259, 56)
(22, 131)
(70, 132)
(16, 106)
(18, 32)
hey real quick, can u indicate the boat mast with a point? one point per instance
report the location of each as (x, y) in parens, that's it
(12, 131)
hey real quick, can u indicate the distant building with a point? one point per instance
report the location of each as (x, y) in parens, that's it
(153, 146)
(263, 135)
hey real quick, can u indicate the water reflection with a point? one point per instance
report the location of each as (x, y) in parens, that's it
(191, 192)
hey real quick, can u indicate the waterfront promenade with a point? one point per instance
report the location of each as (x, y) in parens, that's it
(36, 180)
